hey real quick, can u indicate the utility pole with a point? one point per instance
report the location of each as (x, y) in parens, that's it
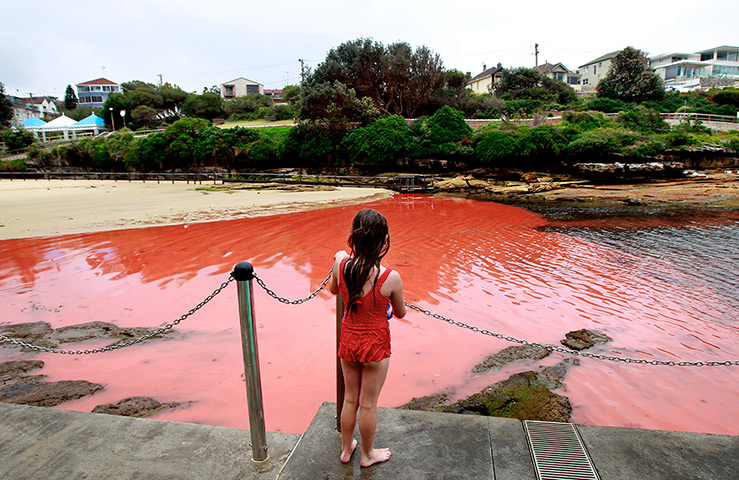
(536, 54)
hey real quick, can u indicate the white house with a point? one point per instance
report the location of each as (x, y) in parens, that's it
(240, 87)
(715, 67)
(483, 82)
(595, 70)
(95, 92)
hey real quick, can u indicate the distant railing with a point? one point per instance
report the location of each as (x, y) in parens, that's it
(703, 117)
(404, 183)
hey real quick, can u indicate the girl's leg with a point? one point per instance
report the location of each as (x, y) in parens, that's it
(352, 384)
(373, 377)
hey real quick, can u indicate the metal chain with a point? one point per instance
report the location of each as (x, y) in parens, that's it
(272, 294)
(117, 346)
(567, 351)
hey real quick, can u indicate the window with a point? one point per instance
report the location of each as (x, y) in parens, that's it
(595, 69)
(726, 55)
(585, 69)
(559, 76)
(83, 88)
(585, 81)
(572, 80)
(706, 56)
(114, 88)
(252, 89)
(228, 90)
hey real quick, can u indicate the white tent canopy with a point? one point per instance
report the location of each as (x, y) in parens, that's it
(66, 125)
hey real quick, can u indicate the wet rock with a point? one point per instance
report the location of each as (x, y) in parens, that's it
(36, 333)
(135, 407)
(552, 377)
(47, 394)
(15, 370)
(521, 396)
(99, 330)
(582, 339)
(510, 354)
(429, 403)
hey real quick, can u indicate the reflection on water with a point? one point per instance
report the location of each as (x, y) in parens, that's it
(661, 284)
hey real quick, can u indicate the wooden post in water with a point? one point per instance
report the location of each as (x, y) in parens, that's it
(339, 372)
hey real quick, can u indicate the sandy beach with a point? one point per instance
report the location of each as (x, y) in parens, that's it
(59, 207)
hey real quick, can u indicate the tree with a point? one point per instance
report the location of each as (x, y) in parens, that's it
(173, 99)
(208, 105)
(396, 78)
(144, 115)
(629, 79)
(335, 106)
(6, 108)
(70, 99)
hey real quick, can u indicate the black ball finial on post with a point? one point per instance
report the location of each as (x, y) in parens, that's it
(243, 271)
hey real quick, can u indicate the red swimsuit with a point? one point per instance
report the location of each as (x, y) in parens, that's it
(365, 333)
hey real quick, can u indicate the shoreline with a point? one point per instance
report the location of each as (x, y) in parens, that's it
(41, 208)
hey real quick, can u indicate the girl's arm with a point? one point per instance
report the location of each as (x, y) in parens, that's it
(333, 283)
(396, 294)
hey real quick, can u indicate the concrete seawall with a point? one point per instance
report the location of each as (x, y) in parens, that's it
(48, 444)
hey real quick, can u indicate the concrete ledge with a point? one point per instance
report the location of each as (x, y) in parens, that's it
(424, 445)
(48, 443)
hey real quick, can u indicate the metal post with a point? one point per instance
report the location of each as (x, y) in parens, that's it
(339, 372)
(243, 273)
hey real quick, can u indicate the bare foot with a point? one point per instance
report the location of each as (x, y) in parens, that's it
(347, 456)
(378, 455)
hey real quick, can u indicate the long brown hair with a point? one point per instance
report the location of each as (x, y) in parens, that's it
(369, 242)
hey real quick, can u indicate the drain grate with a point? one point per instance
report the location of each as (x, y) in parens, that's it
(558, 452)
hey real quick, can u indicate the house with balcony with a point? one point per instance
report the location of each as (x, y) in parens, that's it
(595, 70)
(563, 74)
(483, 82)
(240, 87)
(715, 67)
(95, 92)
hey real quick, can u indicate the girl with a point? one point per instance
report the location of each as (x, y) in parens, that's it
(366, 288)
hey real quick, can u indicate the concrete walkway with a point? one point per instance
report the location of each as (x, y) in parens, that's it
(47, 443)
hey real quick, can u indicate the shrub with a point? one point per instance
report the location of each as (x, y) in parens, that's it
(447, 125)
(601, 142)
(584, 121)
(642, 119)
(606, 105)
(679, 138)
(494, 145)
(16, 138)
(380, 143)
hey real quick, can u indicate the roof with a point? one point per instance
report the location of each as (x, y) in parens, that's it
(548, 67)
(607, 56)
(32, 122)
(99, 81)
(486, 73)
(241, 78)
(91, 120)
(62, 121)
(722, 47)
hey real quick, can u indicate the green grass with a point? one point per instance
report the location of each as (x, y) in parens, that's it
(255, 123)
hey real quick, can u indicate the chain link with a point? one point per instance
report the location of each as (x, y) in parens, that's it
(567, 351)
(272, 294)
(120, 345)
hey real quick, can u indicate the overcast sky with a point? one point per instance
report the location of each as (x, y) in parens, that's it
(46, 45)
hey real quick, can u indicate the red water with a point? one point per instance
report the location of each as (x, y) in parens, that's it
(486, 264)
